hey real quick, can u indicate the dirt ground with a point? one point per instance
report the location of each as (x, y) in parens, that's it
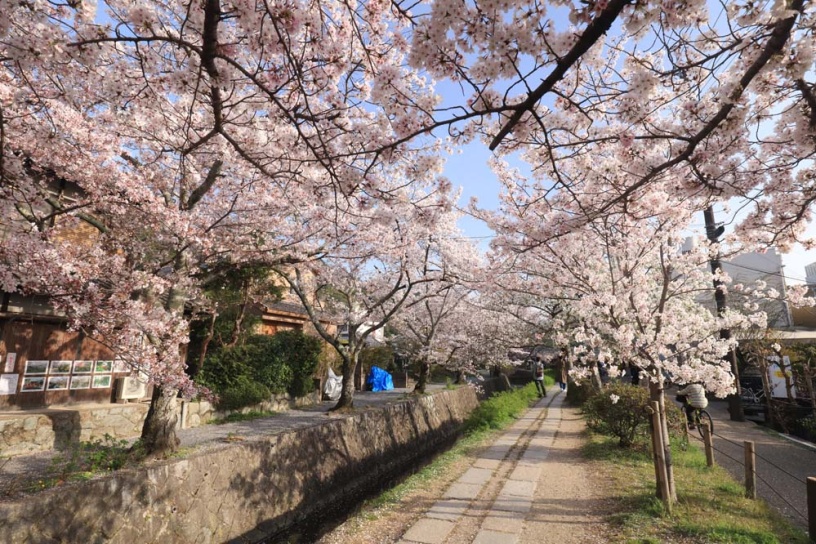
(569, 507)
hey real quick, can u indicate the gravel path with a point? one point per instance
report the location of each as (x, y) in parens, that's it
(531, 485)
(570, 503)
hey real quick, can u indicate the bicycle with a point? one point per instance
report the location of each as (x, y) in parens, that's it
(700, 417)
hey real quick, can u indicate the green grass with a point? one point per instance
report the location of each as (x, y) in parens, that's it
(501, 408)
(85, 460)
(711, 506)
(243, 416)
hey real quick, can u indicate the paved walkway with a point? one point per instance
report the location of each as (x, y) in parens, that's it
(504, 497)
(783, 465)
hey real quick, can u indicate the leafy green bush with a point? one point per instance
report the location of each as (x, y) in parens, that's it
(619, 410)
(578, 393)
(248, 373)
(244, 392)
(807, 427)
(495, 411)
(300, 353)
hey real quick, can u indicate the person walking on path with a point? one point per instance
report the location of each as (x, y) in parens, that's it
(538, 377)
(561, 372)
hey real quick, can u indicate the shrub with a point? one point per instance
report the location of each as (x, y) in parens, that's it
(578, 393)
(244, 392)
(248, 373)
(619, 410)
(300, 354)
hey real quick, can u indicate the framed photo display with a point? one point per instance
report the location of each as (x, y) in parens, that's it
(56, 383)
(103, 366)
(81, 382)
(61, 367)
(101, 381)
(36, 367)
(36, 383)
(83, 367)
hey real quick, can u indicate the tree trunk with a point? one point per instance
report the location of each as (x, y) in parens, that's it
(597, 383)
(809, 384)
(461, 377)
(347, 394)
(770, 418)
(424, 374)
(159, 430)
(713, 234)
(199, 363)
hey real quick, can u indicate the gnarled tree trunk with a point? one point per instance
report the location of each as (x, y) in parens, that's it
(424, 375)
(347, 393)
(159, 429)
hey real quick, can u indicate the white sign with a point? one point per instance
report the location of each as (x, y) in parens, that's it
(11, 358)
(8, 384)
(776, 375)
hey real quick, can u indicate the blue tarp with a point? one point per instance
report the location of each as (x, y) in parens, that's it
(379, 380)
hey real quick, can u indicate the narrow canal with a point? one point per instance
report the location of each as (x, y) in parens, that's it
(311, 528)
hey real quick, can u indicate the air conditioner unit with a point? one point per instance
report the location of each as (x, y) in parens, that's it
(130, 388)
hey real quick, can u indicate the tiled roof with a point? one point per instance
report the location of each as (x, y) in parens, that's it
(288, 307)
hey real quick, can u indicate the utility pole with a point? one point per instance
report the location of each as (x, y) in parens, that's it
(713, 233)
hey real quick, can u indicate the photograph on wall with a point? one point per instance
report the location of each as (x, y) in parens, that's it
(8, 384)
(100, 382)
(36, 367)
(120, 365)
(104, 366)
(83, 367)
(80, 382)
(61, 367)
(56, 383)
(33, 384)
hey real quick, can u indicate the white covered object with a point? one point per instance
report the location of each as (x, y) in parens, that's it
(334, 386)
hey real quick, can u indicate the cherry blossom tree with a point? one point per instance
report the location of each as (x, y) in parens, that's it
(701, 100)
(432, 326)
(375, 258)
(430, 329)
(147, 148)
(619, 291)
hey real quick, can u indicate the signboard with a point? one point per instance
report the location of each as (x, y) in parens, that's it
(776, 375)
(11, 358)
(8, 384)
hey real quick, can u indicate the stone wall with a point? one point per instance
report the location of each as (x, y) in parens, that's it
(242, 492)
(22, 433)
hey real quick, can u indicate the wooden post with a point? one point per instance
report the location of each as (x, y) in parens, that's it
(750, 470)
(655, 458)
(709, 446)
(660, 467)
(811, 502)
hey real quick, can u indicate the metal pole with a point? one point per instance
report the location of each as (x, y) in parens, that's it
(713, 233)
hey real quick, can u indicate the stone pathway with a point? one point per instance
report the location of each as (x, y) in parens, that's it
(499, 497)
